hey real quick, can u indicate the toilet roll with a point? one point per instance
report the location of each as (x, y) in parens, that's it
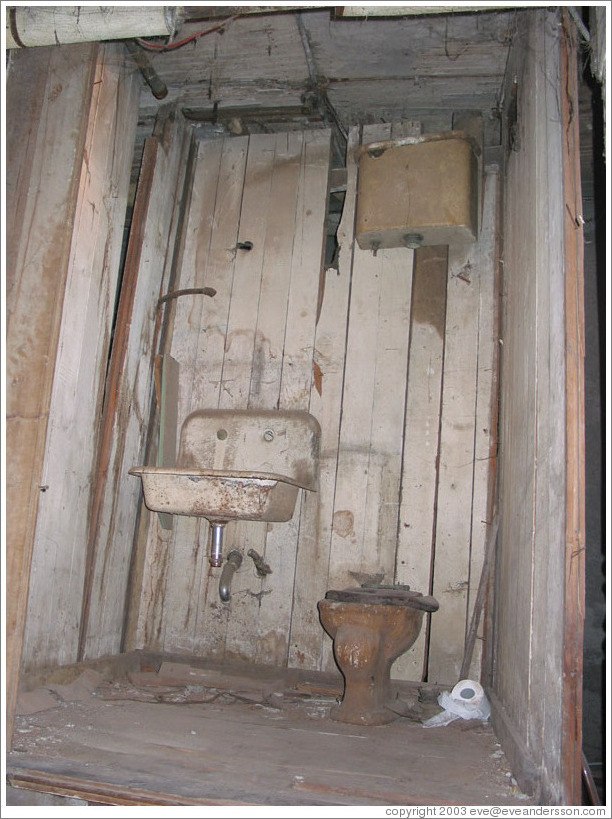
(467, 700)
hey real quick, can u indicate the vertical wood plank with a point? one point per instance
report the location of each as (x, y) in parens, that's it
(275, 281)
(43, 169)
(524, 328)
(531, 603)
(485, 448)
(309, 647)
(575, 455)
(167, 389)
(271, 642)
(306, 262)
(198, 338)
(455, 478)
(56, 594)
(149, 565)
(308, 238)
(364, 537)
(519, 338)
(129, 394)
(422, 440)
(351, 511)
(248, 268)
(243, 610)
(193, 315)
(387, 433)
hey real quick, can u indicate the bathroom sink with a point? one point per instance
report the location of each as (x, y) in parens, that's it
(237, 465)
(218, 495)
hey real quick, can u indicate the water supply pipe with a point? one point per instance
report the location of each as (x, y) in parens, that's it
(158, 88)
(233, 563)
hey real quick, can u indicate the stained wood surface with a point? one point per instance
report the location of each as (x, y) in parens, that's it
(366, 496)
(261, 61)
(167, 391)
(485, 499)
(532, 569)
(416, 531)
(255, 235)
(131, 384)
(95, 236)
(455, 491)
(244, 738)
(43, 170)
(362, 346)
(574, 759)
(307, 640)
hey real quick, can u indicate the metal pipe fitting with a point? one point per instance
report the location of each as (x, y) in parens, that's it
(261, 566)
(233, 563)
(216, 545)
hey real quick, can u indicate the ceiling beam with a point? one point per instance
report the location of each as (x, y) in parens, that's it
(409, 11)
(193, 14)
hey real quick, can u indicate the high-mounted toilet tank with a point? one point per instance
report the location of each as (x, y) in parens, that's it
(418, 191)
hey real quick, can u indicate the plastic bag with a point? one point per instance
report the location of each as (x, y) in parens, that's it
(467, 700)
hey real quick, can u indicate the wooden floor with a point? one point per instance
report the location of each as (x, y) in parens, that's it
(177, 734)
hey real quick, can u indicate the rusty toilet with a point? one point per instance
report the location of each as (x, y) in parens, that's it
(371, 626)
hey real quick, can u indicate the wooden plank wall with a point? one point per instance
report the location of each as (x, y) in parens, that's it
(148, 272)
(251, 345)
(406, 418)
(530, 599)
(42, 175)
(95, 235)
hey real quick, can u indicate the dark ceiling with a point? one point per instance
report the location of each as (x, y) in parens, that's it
(307, 67)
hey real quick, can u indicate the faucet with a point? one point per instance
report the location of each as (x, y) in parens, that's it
(233, 563)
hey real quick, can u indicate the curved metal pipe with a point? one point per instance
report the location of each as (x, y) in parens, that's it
(233, 563)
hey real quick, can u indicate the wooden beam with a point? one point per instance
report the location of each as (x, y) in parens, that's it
(575, 477)
(96, 236)
(101, 793)
(43, 169)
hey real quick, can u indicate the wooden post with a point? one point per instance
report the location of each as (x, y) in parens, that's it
(575, 486)
(44, 152)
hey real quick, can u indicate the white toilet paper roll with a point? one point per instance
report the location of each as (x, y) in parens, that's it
(467, 700)
(468, 691)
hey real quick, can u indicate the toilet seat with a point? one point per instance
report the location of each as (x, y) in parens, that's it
(383, 596)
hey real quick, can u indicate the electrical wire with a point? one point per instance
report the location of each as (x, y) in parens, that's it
(192, 37)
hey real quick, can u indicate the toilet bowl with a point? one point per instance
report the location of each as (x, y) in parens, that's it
(370, 628)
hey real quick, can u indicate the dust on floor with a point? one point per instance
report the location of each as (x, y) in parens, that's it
(180, 735)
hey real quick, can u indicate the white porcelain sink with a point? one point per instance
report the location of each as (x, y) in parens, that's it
(237, 465)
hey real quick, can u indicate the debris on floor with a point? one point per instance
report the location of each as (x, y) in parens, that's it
(182, 733)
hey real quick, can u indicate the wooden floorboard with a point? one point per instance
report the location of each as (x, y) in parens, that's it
(175, 734)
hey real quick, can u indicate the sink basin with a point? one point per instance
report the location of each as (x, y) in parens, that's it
(237, 465)
(218, 495)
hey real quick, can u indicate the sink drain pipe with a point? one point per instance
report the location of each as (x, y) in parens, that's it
(216, 545)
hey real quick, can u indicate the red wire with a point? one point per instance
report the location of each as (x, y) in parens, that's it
(180, 43)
